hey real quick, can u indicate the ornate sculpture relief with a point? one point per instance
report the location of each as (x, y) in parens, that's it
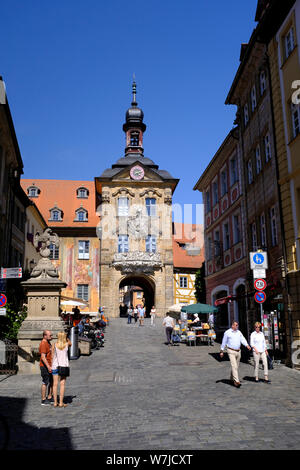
(137, 261)
(137, 225)
(45, 269)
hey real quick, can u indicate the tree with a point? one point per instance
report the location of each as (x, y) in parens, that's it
(200, 292)
(16, 312)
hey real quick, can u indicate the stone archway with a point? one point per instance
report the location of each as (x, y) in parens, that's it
(146, 283)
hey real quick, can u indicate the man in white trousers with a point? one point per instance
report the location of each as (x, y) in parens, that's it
(233, 339)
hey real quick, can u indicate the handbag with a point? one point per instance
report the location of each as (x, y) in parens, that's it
(62, 370)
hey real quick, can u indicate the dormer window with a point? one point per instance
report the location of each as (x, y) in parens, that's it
(33, 191)
(81, 215)
(82, 193)
(134, 139)
(56, 214)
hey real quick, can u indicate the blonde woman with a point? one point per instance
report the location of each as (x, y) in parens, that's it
(60, 359)
(258, 344)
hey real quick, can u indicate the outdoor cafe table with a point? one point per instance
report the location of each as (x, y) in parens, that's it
(199, 333)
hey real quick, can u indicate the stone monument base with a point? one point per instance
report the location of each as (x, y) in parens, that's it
(29, 338)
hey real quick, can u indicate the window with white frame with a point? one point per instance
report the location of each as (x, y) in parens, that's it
(151, 206)
(83, 291)
(82, 193)
(273, 222)
(226, 236)
(295, 109)
(83, 249)
(246, 114)
(151, 244)
(233, 170)
(81, 215)
(253, 98)
(250, 172)
(267, 141)
(263, 235)
(183, 282)
(262, 81)
(236, 229)
(223, 182)
(253, 236)
(54, 251)
(55, 214)
(258, 159)
(123, 244)
(289, 42)
(123, 206)
(215, 192)
(33, 191)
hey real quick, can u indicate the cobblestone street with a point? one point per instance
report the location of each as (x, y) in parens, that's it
(137, 393)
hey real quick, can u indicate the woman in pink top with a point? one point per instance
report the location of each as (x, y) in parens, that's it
(60, 358)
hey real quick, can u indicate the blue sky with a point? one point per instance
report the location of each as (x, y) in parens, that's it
(68, 66)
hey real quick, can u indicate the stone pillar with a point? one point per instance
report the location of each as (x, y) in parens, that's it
(43, 314)
(43, 291)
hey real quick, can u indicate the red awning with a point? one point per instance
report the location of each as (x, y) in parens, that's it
(225, 300)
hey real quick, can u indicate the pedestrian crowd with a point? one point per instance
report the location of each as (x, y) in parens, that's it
(138, 314)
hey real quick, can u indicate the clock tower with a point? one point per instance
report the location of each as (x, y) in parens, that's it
(135, 225)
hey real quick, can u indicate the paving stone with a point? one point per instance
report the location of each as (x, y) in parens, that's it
(137, 393)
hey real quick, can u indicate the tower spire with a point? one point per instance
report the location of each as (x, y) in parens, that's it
(134, 126)
(134, 103)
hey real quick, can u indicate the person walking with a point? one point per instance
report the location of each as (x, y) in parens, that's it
(129, 313)
(169, 324)
(60, 359)
(135, 314)
(141, 311)
(233, 339)
(46, 368)
(258, 344)
(152, 315)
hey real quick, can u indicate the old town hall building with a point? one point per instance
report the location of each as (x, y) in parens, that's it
(118, 232)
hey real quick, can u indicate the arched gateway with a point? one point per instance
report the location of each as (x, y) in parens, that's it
(135, 210)
(146, 285)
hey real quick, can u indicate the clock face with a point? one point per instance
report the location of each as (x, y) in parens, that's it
(137, 172)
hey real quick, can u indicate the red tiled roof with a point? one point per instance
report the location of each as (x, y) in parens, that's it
(62, 193)
(191, 234)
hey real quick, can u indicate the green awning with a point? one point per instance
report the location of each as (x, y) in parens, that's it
(199, 308)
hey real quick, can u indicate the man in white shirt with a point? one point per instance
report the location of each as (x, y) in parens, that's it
(169, 324)
(258, 344)
(233, 339)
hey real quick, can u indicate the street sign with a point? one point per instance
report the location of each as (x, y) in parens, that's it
(260, 297)
(9, 273)
(258, 259)
(259, 273)
(3, 311)
(260, 284)
(3, 300)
